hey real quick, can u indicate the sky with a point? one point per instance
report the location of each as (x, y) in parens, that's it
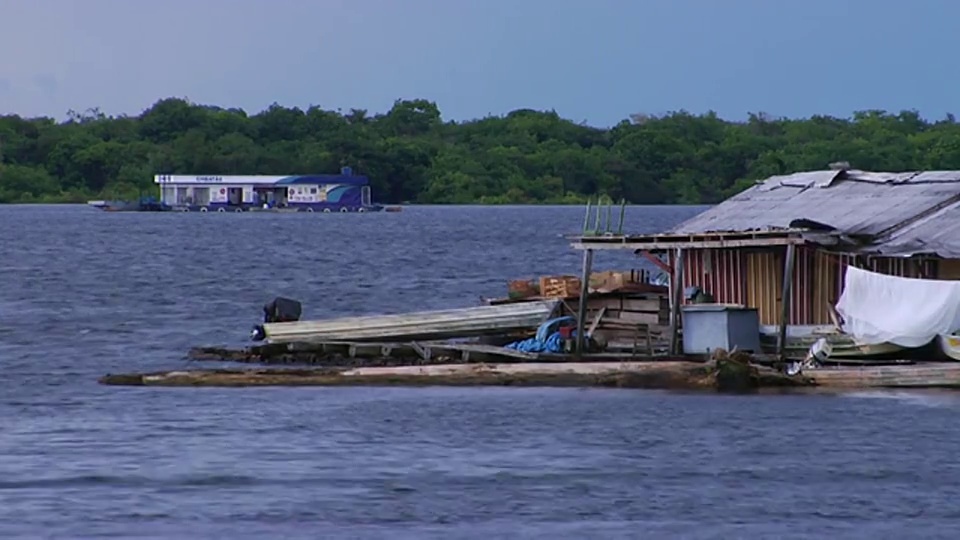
(595, 61)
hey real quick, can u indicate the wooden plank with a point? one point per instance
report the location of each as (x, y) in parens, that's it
(639, 317)
(664, 267)
(676, 293)
(704, 244)
(608, 303)
(582, 312)
(607, 313)
(637, 304)
(932, 375)
(477, 350)
(421, 350)
(785, 303)
(596, 321)
(664, 314)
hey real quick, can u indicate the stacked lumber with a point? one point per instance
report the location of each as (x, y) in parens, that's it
(565, 286)
(651, 309)
(637, 321)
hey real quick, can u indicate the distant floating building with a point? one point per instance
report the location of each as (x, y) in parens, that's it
(344, 192)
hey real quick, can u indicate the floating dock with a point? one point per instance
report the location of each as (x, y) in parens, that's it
(533, 338)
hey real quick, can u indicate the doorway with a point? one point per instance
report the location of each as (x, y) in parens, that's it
(235, 196)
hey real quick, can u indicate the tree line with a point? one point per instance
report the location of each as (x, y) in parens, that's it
(412, 155)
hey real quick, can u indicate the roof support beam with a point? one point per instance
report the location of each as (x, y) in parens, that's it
(664, 267)
(659, 245)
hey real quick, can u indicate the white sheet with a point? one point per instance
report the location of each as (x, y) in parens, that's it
(909, 312)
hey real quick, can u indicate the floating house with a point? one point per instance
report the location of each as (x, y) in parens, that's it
(793, 252)
(344, 192)
(783, 246)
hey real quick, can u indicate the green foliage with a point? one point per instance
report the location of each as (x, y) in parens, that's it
(411, 154)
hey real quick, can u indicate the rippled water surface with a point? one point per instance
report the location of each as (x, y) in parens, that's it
(85, 293)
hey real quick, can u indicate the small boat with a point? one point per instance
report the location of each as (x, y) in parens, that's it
(148, 204)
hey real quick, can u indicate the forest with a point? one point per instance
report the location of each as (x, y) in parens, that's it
(412, 155)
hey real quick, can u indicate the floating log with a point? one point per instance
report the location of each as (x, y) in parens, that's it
(464, 365)
(670, 375)
(667, 375)
(424, 325)
(919, 375)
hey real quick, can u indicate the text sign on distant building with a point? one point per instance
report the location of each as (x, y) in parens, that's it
(214, 179)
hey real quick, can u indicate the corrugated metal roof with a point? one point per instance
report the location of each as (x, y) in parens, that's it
(937, 234)
(853, 202)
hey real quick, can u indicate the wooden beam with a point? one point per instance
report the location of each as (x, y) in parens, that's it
(785, 301)
(660, 245)
(596, 320)
(676, 301)
(582, 308)
(657, 262)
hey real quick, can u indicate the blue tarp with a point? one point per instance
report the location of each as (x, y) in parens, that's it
(546, 340)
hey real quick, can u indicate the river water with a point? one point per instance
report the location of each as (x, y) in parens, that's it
(85, 293)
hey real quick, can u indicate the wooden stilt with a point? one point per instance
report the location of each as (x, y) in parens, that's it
(785, 300)
(676, 302)
(582, 308)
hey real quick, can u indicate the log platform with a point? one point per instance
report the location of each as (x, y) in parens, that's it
(731, 373)
(665, 375)
(472, 364)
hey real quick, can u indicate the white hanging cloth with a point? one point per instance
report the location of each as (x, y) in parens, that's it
(909, 312)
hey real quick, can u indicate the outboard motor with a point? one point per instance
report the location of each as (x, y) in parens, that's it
(282, 309)
(279, 310)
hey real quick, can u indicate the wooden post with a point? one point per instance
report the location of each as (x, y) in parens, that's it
(785, 300)
(582, 308)
(676, 302)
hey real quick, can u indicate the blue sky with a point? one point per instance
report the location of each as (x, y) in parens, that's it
(596, 61)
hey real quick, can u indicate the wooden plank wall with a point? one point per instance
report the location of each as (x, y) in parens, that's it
(623, 313)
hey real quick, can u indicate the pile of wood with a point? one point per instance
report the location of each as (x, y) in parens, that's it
(637, 322)
(624, 311)
(569, 287)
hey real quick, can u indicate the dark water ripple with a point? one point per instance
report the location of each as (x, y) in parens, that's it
(84, 293)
